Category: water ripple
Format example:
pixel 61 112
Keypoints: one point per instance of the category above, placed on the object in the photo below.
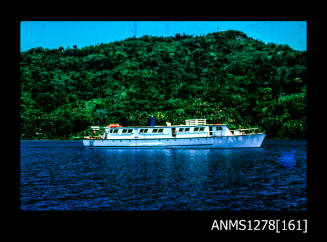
pixel 61 175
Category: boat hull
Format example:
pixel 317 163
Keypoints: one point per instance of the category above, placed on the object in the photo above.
pixel 236 141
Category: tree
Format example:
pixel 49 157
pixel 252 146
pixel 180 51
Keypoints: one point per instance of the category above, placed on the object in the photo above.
pixel 224 76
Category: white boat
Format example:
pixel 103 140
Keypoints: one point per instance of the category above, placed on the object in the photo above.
pixel 194 134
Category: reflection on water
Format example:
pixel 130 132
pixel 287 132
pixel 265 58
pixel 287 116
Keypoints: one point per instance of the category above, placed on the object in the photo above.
pixel 69 177
pixel 287 159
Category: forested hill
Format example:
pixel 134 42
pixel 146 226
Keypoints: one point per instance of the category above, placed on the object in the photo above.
pixel 225 77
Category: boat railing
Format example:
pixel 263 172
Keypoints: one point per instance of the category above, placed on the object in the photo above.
pixel 92 137
pixel 195 122
pixel 246 131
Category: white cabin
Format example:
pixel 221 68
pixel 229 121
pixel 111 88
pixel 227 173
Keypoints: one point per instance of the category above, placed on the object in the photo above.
pixel 159 132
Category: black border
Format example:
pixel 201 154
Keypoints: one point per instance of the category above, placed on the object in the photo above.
pixel 185 223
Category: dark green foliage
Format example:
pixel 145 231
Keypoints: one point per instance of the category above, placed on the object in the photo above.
pixel 225 77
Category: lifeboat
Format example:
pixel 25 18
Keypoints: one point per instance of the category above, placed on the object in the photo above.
pixel 113 125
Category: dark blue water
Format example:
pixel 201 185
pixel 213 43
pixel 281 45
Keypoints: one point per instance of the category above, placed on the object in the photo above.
pixel 62 175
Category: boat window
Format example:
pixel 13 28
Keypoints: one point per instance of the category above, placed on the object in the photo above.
pixel 187 129
pixel 116 131
pixel 124 131
pixel 219 128
pixel 154 130
pixel 181 129
pixel 160 130
pixel 202 128
pixel 196 129
pixel 145 130
pixel 130 131
pixel 111 130
pixel 141 130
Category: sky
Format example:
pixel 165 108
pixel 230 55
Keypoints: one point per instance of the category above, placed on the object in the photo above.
pixel 53 34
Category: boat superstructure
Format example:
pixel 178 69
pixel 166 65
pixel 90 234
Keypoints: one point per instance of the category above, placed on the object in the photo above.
pixel 195 133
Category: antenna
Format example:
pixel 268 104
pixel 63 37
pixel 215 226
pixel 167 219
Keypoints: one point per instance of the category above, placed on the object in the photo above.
pixel 168 28
pixel 135 29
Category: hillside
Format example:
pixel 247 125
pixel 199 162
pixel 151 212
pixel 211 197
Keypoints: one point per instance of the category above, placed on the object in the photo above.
pixel 225 77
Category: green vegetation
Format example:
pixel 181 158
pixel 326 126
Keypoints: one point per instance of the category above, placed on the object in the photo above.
pixel 225 77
